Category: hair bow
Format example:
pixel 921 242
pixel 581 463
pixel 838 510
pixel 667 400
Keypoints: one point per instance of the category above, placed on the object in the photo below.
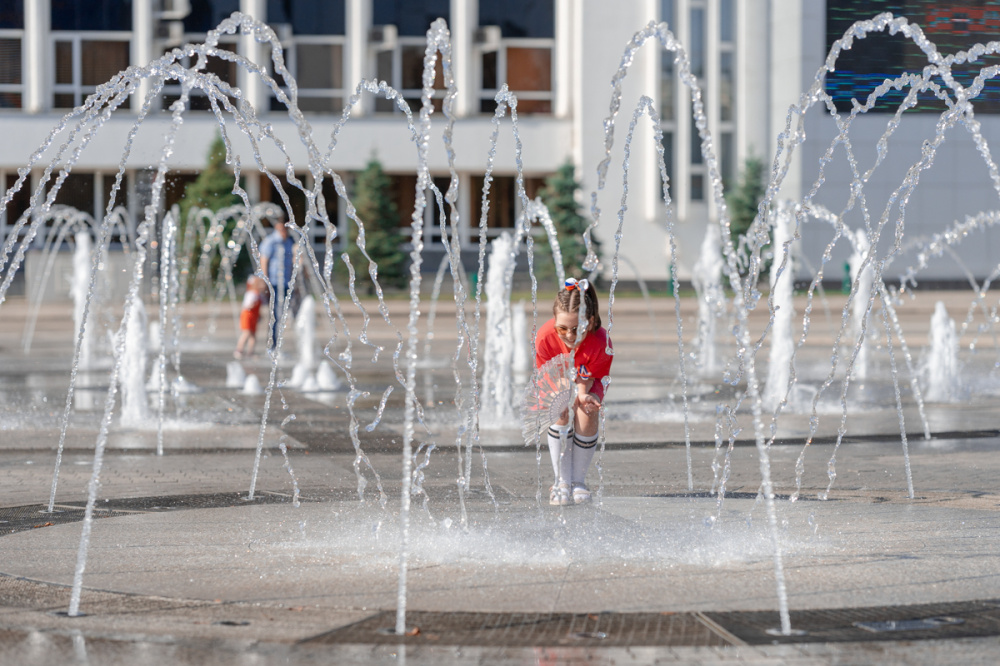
pixel 573 283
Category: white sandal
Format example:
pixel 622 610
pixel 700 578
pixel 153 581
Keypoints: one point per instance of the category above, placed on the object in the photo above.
pixel 559 495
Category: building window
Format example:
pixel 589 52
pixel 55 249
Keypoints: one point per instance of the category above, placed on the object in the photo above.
pixel 402 67
pixel 206 15
pixel 727 22
pixel 727 91
pixel 709 27
pixel 92 15
pixel 697 40
pixel 505 205
pixel 308 17
pixel 220 67
pixel 399 51
pixel 312 34
pixel 516 40
pixel 404 194
pixel 11 87
pixel 91 40
pixel 317 63
pixel 727 156
pixel 18 206
pixel 121 196
pixel 697 187
pixel 668 97
pixel 77 191
pixel 727 82
pixel 331 201
pixel 84 61
pixel 668 163
pixel 296 197
pixel 411 18
pixel 11 36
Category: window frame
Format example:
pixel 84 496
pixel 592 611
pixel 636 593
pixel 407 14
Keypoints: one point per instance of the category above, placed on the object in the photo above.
pixel 174 89
pixel 77 89
pixel 505 43
pixel 537 182
pixel 697 168
pixel 728 126
pixel 14 88
pixel 290 43
pixel 395 80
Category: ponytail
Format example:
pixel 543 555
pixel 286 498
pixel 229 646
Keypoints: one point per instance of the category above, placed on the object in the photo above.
pixel 568 299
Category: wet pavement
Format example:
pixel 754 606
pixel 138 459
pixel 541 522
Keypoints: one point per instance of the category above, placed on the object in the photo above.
pixel 184 566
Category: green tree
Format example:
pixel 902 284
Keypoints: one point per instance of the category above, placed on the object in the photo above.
pixel 380 216
pixel 560 197
pixel 213 189
pixel 744 199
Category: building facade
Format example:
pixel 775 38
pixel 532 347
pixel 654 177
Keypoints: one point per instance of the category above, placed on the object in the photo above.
pixel 750 60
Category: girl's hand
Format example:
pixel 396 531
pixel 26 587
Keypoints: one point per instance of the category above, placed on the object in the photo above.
pixel 588 403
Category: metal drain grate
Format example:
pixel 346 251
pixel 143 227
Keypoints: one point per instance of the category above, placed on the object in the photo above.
pixel 908 625
pixel 965 619
pixel 883 623
pixel 23 518
pixel 20 518
pixel 530 629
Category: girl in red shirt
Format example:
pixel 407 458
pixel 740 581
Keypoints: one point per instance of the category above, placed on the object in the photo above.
pixel 592 362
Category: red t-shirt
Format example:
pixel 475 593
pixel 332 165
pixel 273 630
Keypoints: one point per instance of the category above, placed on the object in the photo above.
pixel 591 359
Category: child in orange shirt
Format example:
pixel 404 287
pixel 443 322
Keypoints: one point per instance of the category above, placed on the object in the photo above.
pixel 592 362
pixel 249 316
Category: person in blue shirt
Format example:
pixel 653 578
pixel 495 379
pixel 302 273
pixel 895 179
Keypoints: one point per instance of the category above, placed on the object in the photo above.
pixel 277 261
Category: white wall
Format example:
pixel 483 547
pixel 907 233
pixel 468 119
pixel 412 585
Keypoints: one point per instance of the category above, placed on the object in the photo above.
pixel 957 184
pixel 543 139
pixel 607 27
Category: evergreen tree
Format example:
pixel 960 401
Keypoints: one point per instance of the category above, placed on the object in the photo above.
pixel 380 216
pixel 560 196
pixel 213 189
pixel 743 200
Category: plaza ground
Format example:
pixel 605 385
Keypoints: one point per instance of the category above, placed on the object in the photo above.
pixel 184 567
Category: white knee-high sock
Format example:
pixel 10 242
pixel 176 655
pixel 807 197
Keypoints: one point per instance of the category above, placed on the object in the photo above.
pixel 562 462
pixel 583 452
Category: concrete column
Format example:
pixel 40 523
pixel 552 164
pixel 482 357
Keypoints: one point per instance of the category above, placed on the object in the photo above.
pixel 681 187
pixel 787 67
pixel 575 89
pixel 710 95
pixel 752 81
pixel 651 195
pixel 251 183
pixel 143 46
pixel 464 21
pixel 37 65
pixel 356 56
pixel 254 89
pixel 562 83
